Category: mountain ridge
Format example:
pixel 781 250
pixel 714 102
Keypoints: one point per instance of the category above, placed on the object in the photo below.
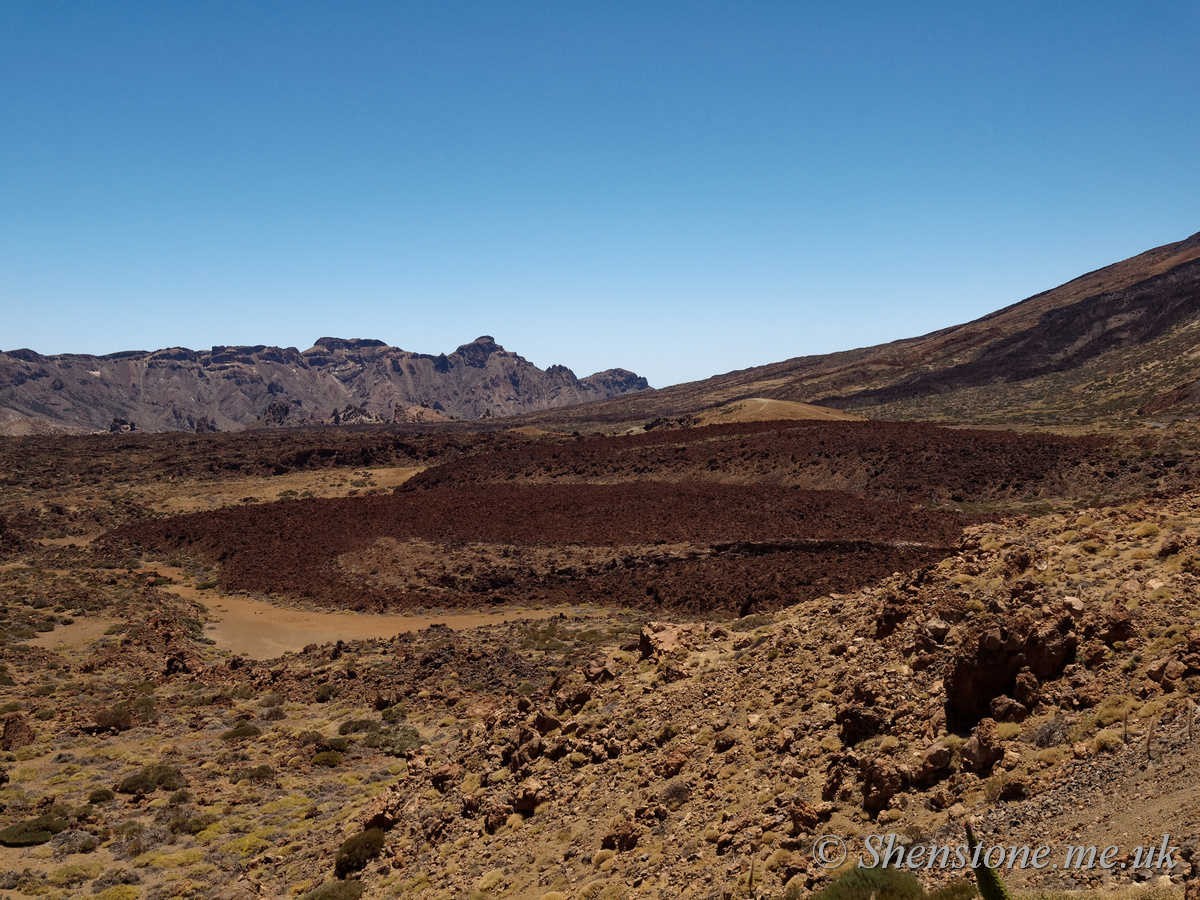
pixel 233 387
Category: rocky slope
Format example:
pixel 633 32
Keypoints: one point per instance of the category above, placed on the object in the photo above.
pixel 1115 343
pixel 240 387
pixel 1038 680
pixel 1034 674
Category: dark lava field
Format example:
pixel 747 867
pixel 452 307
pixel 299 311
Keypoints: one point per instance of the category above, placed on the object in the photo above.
pixel 714 521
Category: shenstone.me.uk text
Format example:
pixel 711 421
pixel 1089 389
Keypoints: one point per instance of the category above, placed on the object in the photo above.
pixel 831 851
pixel 884 851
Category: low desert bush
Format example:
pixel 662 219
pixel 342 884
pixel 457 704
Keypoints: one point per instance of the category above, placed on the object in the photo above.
pixel 1050 733
pixel 395 741
pixel 252 773
pixel 32 831
pixel 749 623
pixel 1006 731
pixel 117 717
pixel 150 779
pixel 358 726
pixel 241 731
pixel 325 693
pixel 335 890
pixel 883 884
pixel 394 714
pixel 190 823
pixel 357 851
pixel 993 787
pixel 675 794
pixel 327 758
pixel 890 884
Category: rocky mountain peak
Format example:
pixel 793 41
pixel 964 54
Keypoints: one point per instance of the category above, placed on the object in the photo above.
pixel 232 387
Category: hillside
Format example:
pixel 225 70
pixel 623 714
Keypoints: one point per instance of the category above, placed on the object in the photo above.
pixel 239 387
pixel 1112 344
pixel 189 711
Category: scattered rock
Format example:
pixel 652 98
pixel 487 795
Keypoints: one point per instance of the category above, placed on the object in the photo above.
pixel 983 749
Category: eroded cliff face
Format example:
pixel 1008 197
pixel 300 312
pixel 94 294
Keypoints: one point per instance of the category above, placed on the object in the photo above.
pixel 241 387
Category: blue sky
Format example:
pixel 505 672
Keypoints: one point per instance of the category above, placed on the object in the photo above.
pixel 680 189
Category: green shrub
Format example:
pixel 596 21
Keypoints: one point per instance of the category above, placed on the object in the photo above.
pixel 254 773
pixel 394 714
pixel 749 623
pixel 357 851
pixel 186 824
pixel 325 693
pixel 145 708
pixel 883 883
pixel 117 717
pixel 328 759
pixel 241 731
pixel 335 890
pixel 100 795
pixel 32 831
pixel 358 726
pixel 961 889
pixel 150 779
pixel 394 741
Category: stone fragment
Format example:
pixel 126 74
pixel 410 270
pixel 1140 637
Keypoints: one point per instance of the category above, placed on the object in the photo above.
pixel 982 750
pixel 937 629
pixel 883 779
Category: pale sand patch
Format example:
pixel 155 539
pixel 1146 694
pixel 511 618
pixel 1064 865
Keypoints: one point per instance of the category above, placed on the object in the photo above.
pixel 262 630
pixel 79 634
pixel 78 540
pixel 195 495
pixel 760 409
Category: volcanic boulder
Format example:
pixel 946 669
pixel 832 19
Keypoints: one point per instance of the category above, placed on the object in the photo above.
pixel 987 663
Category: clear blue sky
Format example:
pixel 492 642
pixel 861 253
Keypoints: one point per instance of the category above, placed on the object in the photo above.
pixel 680 189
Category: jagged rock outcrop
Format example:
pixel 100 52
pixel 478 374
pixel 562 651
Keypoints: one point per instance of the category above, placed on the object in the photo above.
pixel 987 663
pixel 336 381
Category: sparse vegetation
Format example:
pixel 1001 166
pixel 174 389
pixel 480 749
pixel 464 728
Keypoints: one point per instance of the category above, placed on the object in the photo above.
pixel 574 754
pixel 357 851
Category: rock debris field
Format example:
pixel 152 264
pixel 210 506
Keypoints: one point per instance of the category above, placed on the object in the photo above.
pixel 748 636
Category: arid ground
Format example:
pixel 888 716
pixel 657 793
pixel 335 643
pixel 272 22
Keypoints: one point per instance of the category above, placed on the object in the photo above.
pixel 488 663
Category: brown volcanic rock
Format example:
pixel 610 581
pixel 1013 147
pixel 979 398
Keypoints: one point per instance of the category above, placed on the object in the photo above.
pixel 987 663
pixel 230 388
pixel 15 731
pixel 883 779
pixel 744 537
pixel 734 516
pixel 891 460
